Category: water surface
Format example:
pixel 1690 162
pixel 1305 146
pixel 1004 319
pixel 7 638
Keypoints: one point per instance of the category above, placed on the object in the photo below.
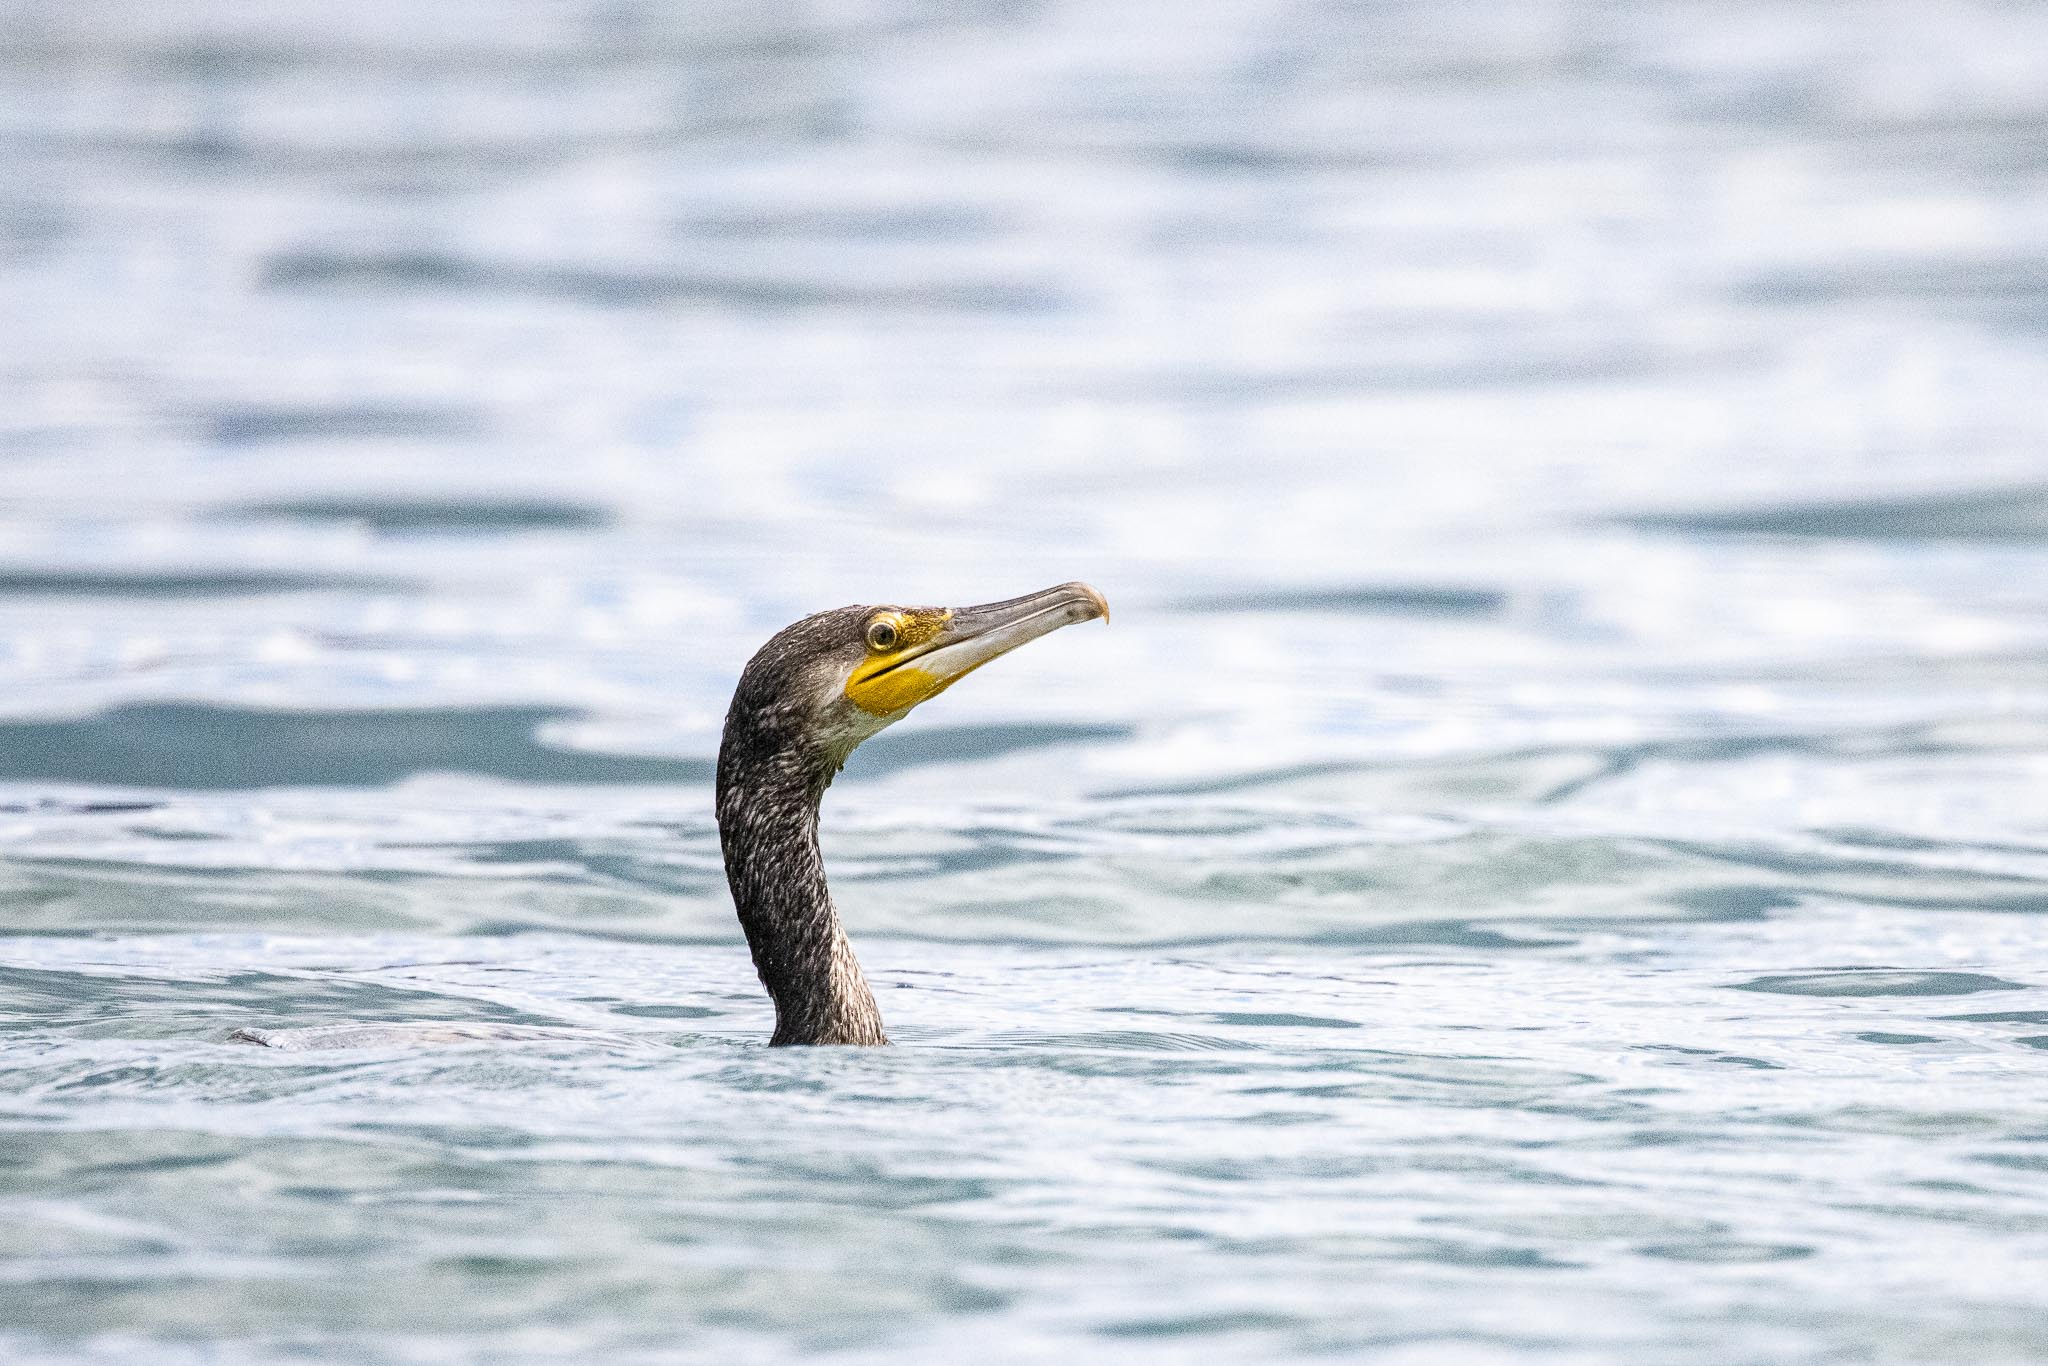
pixel 1549 862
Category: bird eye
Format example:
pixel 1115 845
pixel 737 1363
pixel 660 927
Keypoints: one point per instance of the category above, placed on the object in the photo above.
pixel 881 635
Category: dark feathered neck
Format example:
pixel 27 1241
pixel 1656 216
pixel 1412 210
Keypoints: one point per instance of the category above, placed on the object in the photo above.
pixel 770 781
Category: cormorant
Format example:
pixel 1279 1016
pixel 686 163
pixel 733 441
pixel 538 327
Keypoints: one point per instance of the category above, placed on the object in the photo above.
pixel 805 701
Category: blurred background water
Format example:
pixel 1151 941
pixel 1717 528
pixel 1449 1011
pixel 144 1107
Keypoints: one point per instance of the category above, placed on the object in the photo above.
pixel 1549 862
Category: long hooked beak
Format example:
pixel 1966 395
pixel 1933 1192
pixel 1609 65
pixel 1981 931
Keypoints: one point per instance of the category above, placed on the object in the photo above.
pixel 969 638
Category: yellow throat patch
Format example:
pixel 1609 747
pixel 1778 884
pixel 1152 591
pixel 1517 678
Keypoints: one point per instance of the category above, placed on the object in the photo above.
pixel 889 679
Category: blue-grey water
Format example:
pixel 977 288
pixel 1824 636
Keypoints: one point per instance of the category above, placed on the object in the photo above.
pixel 1549 862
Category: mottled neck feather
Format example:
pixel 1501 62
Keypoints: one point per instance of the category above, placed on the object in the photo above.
pixel 768 794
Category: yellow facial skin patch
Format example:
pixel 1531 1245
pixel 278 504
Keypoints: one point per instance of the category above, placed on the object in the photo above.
pixel 889 680
pixel 916 653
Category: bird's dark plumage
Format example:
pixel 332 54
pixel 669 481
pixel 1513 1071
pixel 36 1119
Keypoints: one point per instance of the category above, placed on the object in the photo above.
pixel 804 702
pixel 774 764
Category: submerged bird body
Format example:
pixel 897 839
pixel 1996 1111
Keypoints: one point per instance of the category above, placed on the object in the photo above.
pixel 805 701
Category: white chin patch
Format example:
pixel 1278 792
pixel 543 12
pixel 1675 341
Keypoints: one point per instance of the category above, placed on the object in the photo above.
pixel 842 725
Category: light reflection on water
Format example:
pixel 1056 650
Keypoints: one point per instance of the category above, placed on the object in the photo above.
pixel 1548 861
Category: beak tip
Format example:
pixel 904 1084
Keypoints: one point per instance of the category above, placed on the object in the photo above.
pixel 1087 591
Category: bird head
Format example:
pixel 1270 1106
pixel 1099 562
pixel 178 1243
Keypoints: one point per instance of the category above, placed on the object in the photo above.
pixel 832 680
